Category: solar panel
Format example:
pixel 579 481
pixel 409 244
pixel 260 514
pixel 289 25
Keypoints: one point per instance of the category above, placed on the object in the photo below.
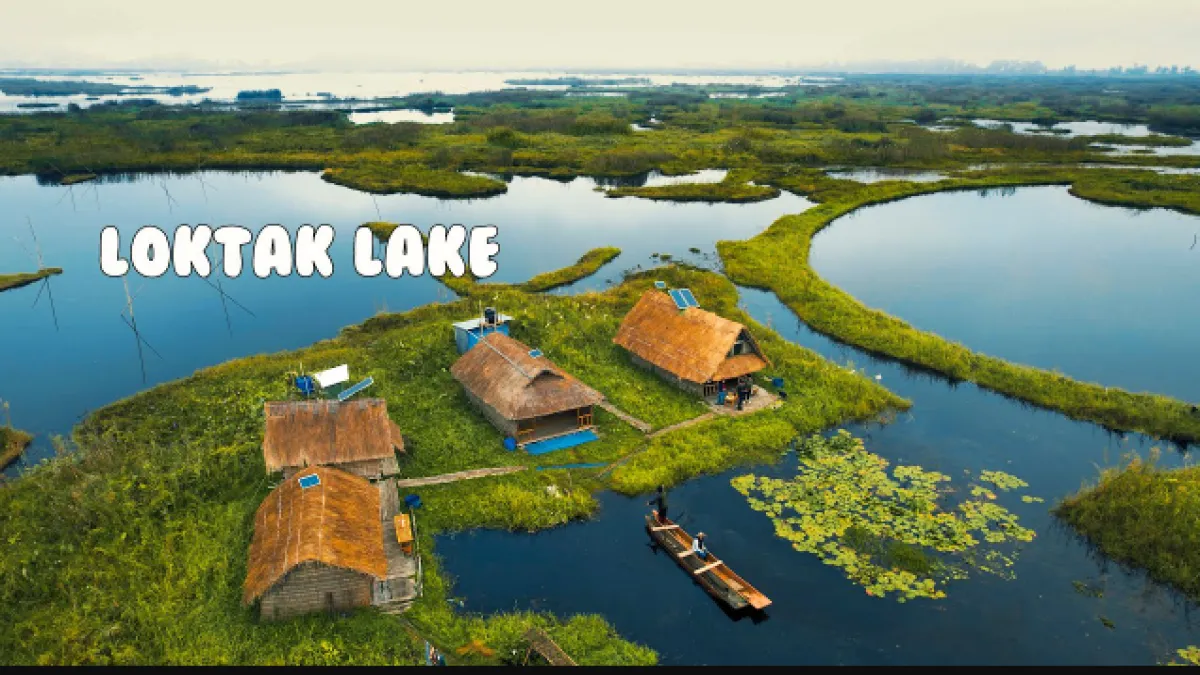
pixel 535 353
pixel 687 296
pixel 678 298
pixel 660 285
pixel 356 388
pixel 311 480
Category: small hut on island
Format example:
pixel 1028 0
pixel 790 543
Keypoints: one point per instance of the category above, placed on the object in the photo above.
pixel 522 393
pixel 667 332
pixel 317 546
pixel 357 436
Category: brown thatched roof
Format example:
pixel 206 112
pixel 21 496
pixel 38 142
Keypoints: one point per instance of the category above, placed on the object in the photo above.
pixel 692 343
pixel 501 373
pixel 316 433
pixel 336 523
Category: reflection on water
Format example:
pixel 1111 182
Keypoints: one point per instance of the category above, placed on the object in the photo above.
pixel 1070 129
pixel 52 378
pixel 875 175
pixel 394 116
pixel 656 178
pixel 1105 294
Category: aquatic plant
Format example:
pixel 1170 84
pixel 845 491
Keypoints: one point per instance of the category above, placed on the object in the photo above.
pixel 887 532
pixel 8 281
pixel 1144 516
pixel 735 188
pixel 12 443
pixel 1190 656
pixel 381 179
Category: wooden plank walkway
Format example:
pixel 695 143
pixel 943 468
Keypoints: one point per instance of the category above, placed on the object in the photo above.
pixel 686 423
pixel 626 417
pixel 395 592
pixel 457 476
pixel 542 644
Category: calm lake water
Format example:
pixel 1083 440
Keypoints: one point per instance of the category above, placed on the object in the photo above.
pixel 606 565
pixel 877 174
pixel 394 116
pixel 315 86
pixel 1035 276
pixel 543 225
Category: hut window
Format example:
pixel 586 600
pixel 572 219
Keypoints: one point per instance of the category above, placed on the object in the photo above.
pixel 739 347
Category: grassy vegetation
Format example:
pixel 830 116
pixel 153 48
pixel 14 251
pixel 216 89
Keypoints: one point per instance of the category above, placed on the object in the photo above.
pixel 384 180
pixel 1146 517
pixel 586 266
pixel 8 281
pixel 863 122
pixel 736 187
pixel 777 260
pixel 153 514
pixel 1153 140
pixel 12 443
pixel 76 178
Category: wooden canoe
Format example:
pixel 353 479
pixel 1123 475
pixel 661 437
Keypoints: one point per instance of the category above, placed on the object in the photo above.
pixel 711 573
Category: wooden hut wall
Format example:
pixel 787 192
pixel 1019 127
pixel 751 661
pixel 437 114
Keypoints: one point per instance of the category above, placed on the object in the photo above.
pixel 315 587
pixel 505 425
pixel 696 388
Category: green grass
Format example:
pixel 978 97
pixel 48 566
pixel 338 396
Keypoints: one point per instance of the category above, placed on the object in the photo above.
pixel 586 266
pixel 1146 517
pixel 1153 140
pixel 777 260
pixel 9 281
pixel 382 179
pixel 153 514
pixel 12 443
pixel 76 178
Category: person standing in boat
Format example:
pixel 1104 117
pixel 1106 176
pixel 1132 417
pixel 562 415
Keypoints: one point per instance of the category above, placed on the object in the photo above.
pixel 660 504
pixel 698 547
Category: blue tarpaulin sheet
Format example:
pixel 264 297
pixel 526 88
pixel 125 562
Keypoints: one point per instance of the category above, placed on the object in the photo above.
pixel 561 442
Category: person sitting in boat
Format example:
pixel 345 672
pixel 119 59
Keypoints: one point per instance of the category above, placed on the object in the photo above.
pixel 660 504
pixel 698 547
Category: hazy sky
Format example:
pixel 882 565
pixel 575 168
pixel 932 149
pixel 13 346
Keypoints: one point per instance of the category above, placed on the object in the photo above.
pixel 493 34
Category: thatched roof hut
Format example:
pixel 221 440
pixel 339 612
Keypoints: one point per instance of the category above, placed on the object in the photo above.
pixel 355 435
pixel 692 346
pixel 317 546
pixel 520 389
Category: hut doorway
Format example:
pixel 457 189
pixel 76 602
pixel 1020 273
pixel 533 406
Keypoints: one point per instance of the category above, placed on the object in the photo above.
pixel 565 422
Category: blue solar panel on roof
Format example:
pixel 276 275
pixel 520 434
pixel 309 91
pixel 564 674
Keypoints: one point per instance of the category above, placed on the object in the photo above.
pixel 311 480
pixel 678 298
pixel 356 388
pixel 660 285
pixel 687 296
pixel 535 353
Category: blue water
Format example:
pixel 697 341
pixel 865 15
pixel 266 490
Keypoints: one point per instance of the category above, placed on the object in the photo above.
pixel 1035 276
pixel 52 377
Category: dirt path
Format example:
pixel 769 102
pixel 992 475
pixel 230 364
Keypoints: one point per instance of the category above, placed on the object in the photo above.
pixel 626 417
pixel 686 423
pixel 457 476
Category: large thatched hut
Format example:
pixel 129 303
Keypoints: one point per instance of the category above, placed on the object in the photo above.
pixel 522 392
pixel 317 546
pixel 356 435
pixel 688 346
